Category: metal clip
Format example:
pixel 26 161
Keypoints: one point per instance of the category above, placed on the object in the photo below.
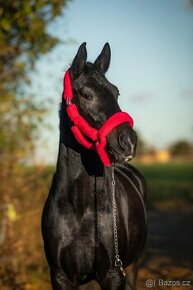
pixel 118 263
pixel 68 101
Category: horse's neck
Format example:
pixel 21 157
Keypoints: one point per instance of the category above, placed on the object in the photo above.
pixel 76 169
pixel 72 156
pixel 75 183
pixel 72 162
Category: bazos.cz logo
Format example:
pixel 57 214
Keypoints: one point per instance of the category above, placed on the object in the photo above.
pixel 150 283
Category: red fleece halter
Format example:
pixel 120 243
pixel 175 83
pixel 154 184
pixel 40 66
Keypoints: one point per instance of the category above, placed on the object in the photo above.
pixel 87 136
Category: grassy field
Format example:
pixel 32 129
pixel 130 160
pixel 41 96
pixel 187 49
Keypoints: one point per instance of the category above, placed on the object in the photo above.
pixel 169 185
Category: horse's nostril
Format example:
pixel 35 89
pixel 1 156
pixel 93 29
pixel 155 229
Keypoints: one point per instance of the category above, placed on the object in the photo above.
pixel 123 140
pixel 127 142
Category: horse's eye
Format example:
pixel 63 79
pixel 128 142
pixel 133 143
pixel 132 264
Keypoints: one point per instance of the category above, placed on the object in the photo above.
pixel 86 93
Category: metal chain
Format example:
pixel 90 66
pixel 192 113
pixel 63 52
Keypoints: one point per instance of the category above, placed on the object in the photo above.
pixel 118 262
pixel 96 240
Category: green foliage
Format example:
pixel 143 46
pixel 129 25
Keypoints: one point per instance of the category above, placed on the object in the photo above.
pixel 23 38
pixel 182 148
pixel 23 26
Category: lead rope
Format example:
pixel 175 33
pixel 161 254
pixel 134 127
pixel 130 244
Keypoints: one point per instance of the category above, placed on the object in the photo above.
pixel 118 262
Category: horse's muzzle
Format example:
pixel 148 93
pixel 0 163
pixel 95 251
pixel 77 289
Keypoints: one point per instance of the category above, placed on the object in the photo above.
pixel 129 157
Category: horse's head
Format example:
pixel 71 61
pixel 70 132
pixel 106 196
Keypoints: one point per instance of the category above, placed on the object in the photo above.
pixel 96 100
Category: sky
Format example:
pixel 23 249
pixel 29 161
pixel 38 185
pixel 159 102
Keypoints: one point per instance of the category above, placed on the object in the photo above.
pixel 151 63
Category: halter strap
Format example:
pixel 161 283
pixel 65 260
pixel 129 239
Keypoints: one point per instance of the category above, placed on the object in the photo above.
pixel 87 136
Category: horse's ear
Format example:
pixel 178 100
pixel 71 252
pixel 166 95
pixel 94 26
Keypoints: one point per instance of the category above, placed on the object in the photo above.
pixel 103 60
pixel 79 61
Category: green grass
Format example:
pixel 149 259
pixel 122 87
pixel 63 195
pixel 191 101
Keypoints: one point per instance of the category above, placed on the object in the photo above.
pixel 169 185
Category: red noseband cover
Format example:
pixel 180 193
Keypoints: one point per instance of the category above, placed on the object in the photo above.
pixel 86 135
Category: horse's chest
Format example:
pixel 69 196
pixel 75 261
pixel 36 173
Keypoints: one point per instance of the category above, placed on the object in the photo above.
pixel 84 219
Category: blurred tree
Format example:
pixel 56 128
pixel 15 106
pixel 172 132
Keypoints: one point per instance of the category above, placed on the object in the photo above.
pixel 191 3
pixel 142 147
pixel 181 148
pixel 24 37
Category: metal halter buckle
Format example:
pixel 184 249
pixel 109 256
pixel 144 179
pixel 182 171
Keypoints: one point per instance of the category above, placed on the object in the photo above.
pixel 68 101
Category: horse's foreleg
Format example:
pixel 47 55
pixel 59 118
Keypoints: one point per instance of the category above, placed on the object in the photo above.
pixel 60 281
pixel 113 281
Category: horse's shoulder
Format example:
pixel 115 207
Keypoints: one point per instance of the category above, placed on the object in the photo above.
pixel 134 176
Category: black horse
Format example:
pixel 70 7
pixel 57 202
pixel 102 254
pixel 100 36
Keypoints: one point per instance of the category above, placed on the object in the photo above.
pixel 77 220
